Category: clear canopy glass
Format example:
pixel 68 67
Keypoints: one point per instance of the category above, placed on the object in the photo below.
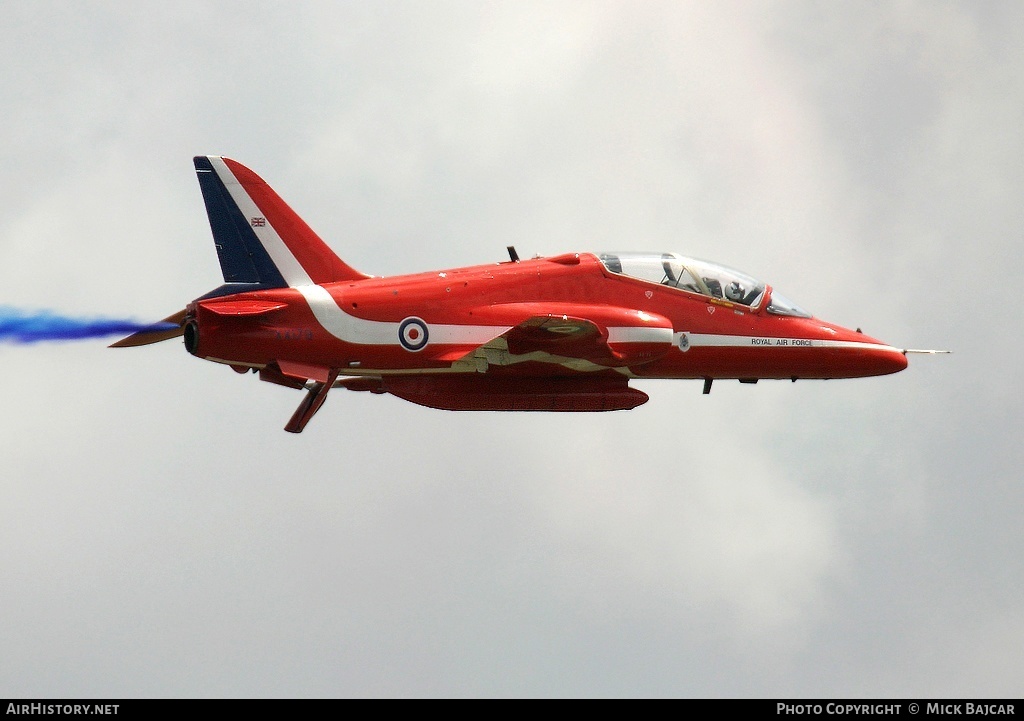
pixel 781 305
pixel 696 276
pixel 700 276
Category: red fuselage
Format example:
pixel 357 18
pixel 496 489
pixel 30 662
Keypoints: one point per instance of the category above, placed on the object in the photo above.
pixel 358 330
pixel 566 333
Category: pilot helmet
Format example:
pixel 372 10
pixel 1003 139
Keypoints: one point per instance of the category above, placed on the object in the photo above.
pixel 734 291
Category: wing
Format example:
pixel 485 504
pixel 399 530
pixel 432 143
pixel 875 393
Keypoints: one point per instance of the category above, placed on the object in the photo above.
pixel 170 327
pixel 584 338
pixel 592 339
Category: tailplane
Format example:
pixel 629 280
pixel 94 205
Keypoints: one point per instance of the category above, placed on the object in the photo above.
pixel 261 242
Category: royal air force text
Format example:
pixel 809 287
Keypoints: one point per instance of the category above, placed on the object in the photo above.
pixel 789 342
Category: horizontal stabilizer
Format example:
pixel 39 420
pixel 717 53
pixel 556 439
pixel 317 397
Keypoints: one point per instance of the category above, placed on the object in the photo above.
pixel 243 307
pixel 170 327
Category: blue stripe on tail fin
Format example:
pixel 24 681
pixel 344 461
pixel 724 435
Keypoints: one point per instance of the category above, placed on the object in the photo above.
pixel 244 262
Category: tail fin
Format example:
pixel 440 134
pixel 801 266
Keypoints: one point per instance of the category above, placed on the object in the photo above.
pixel 261 242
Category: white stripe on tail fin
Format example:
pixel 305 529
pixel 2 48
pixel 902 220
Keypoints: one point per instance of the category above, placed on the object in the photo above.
pixel 261 241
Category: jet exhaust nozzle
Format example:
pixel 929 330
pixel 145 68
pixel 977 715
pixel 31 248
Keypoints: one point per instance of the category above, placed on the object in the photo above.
pixel 191 337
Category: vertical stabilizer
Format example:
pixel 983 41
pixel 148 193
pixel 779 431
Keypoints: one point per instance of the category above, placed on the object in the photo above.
pixel 261 242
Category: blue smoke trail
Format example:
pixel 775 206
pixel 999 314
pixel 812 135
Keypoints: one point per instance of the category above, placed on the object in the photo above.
pixel 19 326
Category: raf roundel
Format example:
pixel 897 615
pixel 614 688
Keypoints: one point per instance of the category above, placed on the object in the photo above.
pixel 412 334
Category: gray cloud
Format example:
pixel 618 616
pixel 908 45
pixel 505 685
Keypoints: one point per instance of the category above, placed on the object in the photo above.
pixel 161 536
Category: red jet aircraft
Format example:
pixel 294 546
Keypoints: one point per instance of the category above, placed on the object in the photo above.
pixel 565 333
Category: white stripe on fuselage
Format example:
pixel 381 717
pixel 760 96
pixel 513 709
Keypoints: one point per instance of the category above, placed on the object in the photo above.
pixel 351 329
pixel 374 332
pixel 639 334
pixel 708 340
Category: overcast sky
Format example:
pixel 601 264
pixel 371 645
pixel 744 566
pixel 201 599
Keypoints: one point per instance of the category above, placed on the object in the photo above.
pixel 160 535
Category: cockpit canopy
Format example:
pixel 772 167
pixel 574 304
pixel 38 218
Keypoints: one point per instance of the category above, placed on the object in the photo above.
pixel 698 276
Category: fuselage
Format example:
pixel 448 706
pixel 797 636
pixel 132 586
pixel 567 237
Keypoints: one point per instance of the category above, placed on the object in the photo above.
pixel 565 333
pixel 449 321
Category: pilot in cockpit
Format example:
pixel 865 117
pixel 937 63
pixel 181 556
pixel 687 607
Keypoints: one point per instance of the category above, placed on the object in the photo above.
pixel 734 292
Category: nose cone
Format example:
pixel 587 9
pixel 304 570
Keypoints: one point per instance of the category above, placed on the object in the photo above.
pixel 883 360
pixel 858 355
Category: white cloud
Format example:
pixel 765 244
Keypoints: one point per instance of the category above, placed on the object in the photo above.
pixel 162 536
